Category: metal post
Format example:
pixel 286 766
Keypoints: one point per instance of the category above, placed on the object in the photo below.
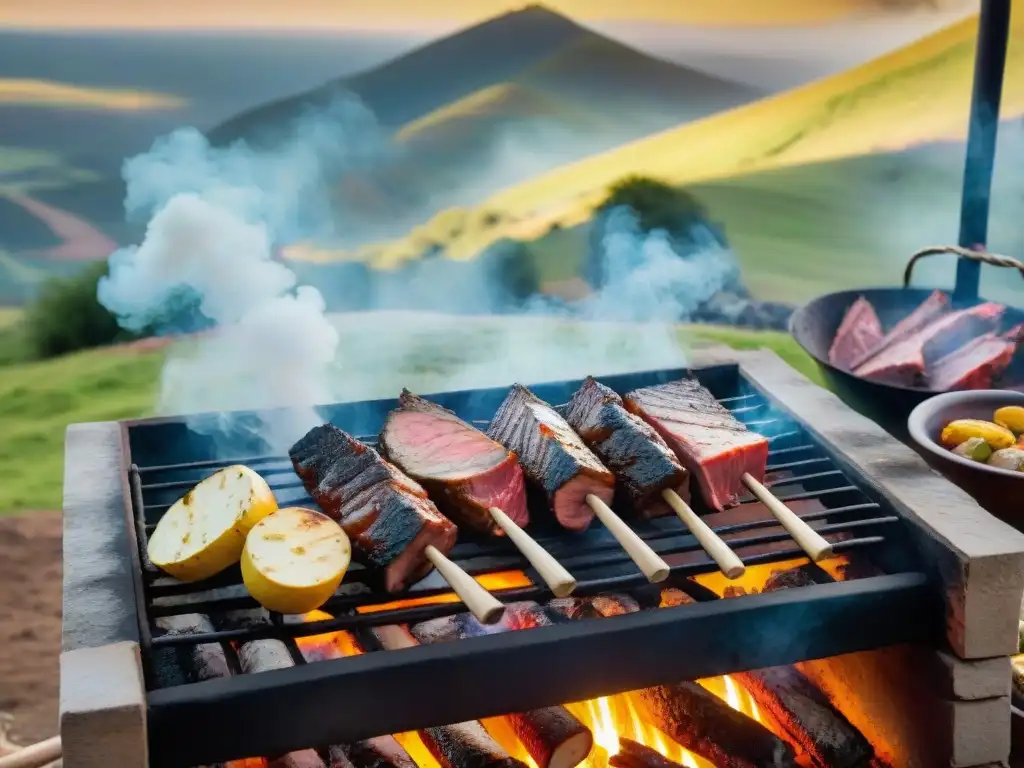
pixel 989 63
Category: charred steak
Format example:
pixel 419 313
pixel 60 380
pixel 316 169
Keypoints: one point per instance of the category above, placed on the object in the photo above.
pixel 464 470
pixel 554 458
pixel 387 515
pixel 710 442
pixel 859 333
pixel 636 454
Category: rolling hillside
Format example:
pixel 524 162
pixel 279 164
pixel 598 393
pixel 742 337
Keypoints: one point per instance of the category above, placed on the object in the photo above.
pixel 915 95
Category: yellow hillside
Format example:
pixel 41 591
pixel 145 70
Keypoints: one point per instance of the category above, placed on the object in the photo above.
pixel 502 101
pixel 917 94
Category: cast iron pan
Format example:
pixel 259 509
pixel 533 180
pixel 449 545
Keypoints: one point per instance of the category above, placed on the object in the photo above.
pixel 815 324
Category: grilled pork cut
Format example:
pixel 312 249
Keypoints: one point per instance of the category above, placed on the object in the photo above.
pixel 554 458
pixel 387 515
pixel 904 362
pixel 463 470
pixel 859 333
pixel 709 441
pixel 932 308
pixel 636 454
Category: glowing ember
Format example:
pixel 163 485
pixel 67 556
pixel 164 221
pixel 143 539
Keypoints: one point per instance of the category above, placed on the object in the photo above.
pixel 490 581
pixel 610 718
pixel 756 576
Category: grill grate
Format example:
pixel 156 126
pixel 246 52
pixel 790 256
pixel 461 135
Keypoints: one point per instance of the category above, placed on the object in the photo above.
pixel 800 472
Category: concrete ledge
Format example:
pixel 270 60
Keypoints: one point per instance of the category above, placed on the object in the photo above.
pixel 972 680
pixel 979 559
pixel 99 589
pixel 979 731
pixel 103 707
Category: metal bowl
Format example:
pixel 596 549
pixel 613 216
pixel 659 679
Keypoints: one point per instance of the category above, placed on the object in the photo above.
pixel 1000 491
pixel 814 326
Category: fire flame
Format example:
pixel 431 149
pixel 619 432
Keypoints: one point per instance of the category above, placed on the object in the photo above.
pixel 610 718
pixel 757 575
pixel 492 582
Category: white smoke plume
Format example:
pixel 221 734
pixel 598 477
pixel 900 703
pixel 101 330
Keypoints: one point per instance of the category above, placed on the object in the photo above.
pixel 215 215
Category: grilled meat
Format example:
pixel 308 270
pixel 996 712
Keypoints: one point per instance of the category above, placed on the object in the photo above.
pixel 975 365
pixel 710 442
pixel 936 305
pixel 858 334
pixel 387 515
pixel 903 363
pixel 636 454
pixel 464 470
pixel 554 457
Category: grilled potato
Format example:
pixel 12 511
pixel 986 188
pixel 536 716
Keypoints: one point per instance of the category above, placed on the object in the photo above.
pixel 294 560
pixel 204 531
pixel 962 430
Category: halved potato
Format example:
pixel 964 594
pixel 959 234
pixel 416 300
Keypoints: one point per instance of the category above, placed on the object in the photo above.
pixel 294 560
pixel 204 531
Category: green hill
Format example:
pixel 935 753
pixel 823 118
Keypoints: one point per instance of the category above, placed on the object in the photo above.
pixel 915 95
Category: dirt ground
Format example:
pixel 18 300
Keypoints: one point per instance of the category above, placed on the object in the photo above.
pixel 30 623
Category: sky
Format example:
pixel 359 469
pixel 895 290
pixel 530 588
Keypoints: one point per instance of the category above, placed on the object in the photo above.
pixel 406 15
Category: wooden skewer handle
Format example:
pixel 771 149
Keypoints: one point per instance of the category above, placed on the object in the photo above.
pixel 559 580
pixel 34 756
pixel 646 559
pixel 717 549
pixel 810 541
pixel 481 603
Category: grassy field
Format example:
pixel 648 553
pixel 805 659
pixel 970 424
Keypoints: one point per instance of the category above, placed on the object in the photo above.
pixel 39 400
pixel 915 95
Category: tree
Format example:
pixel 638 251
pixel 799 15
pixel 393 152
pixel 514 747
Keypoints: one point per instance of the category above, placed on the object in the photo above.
pixel 66 315
pixel 656 204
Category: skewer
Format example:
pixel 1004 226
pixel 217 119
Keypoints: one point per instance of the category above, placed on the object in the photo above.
pixel 717 550
pixel 559 581
pixel 810 541
pixel 646 559
pixel 482 604
pixel 34 756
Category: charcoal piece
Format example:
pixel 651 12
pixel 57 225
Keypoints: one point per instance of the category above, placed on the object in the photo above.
pixel 703 723
pixel 634 755
pixel 808 717
pixel 466 745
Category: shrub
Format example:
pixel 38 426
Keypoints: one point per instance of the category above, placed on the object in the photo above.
pixel 657 205
pixel 66 316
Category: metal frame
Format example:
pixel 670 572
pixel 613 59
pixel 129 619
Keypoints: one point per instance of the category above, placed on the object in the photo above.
pixel 989 68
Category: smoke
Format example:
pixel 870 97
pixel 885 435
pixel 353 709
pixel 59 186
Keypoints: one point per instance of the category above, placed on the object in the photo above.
pixel 214 215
